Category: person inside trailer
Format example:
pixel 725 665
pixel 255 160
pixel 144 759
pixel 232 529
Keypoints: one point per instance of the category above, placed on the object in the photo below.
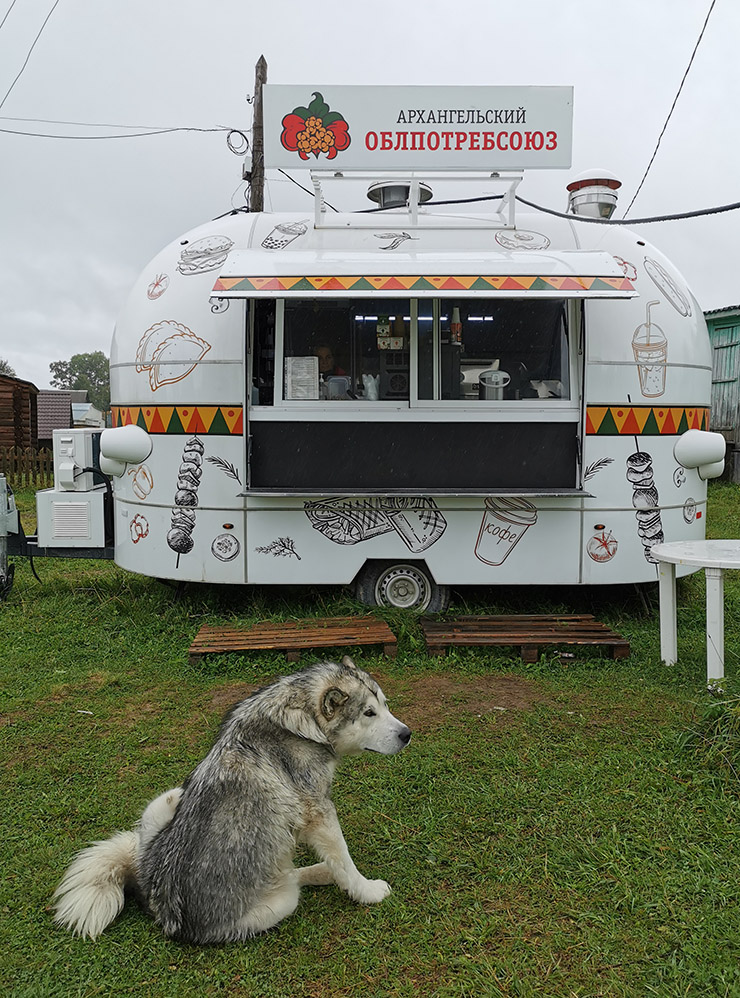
pixel 333 381
pixel 362 348
pixel 328 366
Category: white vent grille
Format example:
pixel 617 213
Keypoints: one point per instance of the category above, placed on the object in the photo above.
pixel 70 519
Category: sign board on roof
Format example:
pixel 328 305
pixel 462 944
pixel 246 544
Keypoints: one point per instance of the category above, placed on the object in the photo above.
pixel 417 128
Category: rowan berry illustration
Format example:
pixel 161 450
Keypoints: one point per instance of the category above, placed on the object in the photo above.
pixel 315 130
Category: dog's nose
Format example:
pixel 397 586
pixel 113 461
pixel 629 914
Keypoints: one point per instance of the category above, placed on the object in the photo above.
pixel 405 735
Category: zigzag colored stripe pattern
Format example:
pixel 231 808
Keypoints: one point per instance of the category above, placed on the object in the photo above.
pixel 227 420
pixel 406 284
pixel 216 420
pixel 644 420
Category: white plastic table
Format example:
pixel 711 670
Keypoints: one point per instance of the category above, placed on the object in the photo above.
pixel 714 557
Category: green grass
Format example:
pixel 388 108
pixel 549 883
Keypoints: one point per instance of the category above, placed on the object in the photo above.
pixel 579 842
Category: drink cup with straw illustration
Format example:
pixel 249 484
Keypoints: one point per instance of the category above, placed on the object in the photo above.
pixel 650 347
pixel 284 234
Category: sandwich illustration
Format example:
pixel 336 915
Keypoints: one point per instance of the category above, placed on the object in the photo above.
pixel 204 255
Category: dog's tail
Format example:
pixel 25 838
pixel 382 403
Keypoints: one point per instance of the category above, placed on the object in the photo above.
pixel 92 891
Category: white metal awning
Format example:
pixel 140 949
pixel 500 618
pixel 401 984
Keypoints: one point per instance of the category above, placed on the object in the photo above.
pixel 569 274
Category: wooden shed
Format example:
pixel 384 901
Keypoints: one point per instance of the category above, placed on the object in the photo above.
pixel 18 413
pixel 724 335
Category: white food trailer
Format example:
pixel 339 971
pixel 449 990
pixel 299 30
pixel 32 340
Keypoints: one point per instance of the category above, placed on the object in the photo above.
pixel 405 399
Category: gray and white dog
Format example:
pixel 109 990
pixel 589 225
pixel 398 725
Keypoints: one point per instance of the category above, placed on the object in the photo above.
pixel 212 861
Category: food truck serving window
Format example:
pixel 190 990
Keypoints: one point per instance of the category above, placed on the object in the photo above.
pixel 403 395
pixel 462 350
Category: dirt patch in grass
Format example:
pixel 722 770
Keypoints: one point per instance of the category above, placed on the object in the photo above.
pixel 427 702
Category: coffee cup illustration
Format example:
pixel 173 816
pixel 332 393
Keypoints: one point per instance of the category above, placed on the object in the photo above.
pixel 650 347
pixel 505 519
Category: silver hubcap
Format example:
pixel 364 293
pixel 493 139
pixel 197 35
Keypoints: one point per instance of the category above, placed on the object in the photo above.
pixel 403 587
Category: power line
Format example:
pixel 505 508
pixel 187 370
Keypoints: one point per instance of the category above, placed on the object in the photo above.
pixel 294 181
pixel 558 214
pixel 630 221
pixel 153 130
pixel 33 46
pixel 126 135
pixel 673 105
pixel 7 12
pixel 108 124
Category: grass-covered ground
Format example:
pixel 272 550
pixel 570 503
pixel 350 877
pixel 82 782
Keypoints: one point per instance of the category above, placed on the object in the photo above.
pixel 551 829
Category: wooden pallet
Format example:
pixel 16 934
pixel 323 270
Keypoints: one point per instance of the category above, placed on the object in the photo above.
pixel 528 632
pixel 295 636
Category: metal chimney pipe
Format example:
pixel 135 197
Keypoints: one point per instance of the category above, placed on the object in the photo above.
pixel 593 193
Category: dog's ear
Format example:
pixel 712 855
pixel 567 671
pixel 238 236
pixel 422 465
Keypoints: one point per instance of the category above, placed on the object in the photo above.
pixel 348 663
pixel 333 700
pixel 296 719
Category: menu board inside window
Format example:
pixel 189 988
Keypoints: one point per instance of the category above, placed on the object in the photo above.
pixel 301 378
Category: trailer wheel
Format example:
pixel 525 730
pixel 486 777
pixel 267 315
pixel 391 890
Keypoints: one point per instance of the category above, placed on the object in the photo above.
pixel 403 586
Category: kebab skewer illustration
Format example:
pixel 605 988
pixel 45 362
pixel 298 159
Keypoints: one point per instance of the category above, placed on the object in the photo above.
pixel 182 524
pixel 645 500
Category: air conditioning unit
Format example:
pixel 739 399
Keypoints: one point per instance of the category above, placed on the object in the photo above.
pixel 74 450
pixel 70 519
pixel 72 514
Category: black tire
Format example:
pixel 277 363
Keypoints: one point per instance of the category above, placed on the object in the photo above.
pixel 402 586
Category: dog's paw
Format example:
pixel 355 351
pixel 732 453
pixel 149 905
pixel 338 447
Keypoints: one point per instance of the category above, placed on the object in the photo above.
pixel 371 891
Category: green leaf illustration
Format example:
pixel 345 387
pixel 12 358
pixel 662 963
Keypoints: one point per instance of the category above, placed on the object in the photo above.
pixel 318 105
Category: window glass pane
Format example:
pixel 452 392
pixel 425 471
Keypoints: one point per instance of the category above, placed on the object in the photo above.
pixel 426 353
pixel 263 356
pixel 496 351
pixel 340 350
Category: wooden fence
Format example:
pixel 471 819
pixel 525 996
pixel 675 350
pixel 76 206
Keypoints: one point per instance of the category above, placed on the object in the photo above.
pixel 24 466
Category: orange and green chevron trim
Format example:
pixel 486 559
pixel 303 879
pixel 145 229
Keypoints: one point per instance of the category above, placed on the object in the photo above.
pixel 227 420
pixel 223 420
pixel 406 284
pixel 644 420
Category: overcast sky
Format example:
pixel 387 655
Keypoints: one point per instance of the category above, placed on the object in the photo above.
pixel 80 219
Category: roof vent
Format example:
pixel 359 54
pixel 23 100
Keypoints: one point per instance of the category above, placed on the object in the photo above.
pixel 593 193
pixel 395 193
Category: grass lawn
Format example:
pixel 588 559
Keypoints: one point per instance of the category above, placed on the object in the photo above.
pixel 550 830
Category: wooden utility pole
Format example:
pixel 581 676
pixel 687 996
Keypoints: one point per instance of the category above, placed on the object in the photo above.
pixel 257 185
